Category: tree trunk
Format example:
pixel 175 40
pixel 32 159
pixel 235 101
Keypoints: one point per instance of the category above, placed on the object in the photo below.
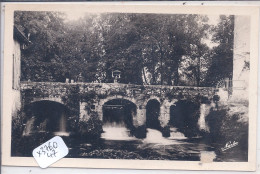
pixel 161 68
pixel 198 72
pixel 144 76
pixel 176 76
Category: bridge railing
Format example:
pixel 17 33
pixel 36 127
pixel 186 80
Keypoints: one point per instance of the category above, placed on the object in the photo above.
pixel 116 88
pixel 26 84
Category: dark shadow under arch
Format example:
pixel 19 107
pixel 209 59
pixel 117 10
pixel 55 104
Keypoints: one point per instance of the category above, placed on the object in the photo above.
pixel 46 116
pixel 152 114
pixel 119 112
pixel 184 115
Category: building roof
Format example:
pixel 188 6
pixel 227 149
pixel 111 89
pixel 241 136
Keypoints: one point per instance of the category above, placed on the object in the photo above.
pixel 20 36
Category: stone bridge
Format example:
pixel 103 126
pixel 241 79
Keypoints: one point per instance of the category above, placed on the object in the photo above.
pixel 86 99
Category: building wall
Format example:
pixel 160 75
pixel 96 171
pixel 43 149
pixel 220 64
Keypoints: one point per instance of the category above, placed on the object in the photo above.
pixel 16 74
pixel 16 65
pixel 241 58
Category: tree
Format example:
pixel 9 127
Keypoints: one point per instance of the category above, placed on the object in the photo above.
pixel 41 60
pixel 146 48
pixel 222 55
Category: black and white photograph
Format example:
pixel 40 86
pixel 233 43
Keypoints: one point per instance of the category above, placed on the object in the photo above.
pixel 131 85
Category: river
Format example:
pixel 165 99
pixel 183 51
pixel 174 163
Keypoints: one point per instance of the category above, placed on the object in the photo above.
pixel 116 143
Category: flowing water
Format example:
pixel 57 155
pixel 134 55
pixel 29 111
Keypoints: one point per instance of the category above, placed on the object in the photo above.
pixel 201 121
pixel 62 127
pixel 154 136
pixel 29 127
pixel 116 133
pixel 117 142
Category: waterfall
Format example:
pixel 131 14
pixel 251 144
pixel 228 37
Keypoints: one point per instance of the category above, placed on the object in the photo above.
pixel 62 127
pixel 176 134
pixel 116 131
pixel 203 113
pixel 62 123
pixel 155 137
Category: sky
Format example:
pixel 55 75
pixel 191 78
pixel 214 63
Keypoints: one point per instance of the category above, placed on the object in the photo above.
pixel 74 15
pixel 213 20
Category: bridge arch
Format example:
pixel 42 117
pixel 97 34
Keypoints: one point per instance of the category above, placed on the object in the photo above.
pixel 152 98
pixel 184 115
pixel 165 111
pixel 118 114
pixel 103 101
pixel 153 109
pixel 46 116
pixel 53 99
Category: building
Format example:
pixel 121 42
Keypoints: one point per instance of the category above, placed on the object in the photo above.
pixel 20 41
pixel 241 58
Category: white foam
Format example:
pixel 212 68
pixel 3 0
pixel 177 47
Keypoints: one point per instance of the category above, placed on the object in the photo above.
pixel 155 137
pixel 116 133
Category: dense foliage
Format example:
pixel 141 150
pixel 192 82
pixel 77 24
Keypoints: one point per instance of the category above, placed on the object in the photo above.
pixel 229 124
pixel 147 48
pixel 90 129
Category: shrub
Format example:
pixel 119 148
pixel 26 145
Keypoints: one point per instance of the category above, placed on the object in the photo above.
pixel 24 145
pixel 111 154
pixel 28 143
pixel 228 126
pixel 224 127
pixel 140 132
pixel 90 129
pixel 166 131
pixel 17 131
